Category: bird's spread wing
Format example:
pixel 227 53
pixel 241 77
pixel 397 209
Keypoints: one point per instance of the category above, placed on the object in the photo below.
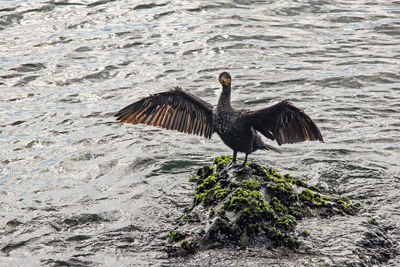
pixel 285 123
pixel 174 109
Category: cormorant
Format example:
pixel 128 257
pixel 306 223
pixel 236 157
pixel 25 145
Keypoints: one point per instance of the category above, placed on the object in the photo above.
pixel 178 110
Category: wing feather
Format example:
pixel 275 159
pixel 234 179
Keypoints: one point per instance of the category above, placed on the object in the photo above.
pixel 168 123
pixel 157 114
pixel 196 126
pixel 163 110
pixel 173 110
pixel 182 121
pixel 285 123
pixel 172 120
pixel 189 125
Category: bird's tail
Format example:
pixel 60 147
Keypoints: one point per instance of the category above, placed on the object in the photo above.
pixel 259 144
pixel 268 147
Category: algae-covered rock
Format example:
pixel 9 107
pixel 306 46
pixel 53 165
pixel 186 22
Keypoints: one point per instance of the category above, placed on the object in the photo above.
pixel 256 206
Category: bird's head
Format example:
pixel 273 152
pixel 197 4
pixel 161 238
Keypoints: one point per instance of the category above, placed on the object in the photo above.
pixel 224 78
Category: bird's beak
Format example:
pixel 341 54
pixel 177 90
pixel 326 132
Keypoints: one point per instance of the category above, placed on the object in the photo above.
pixel 224 81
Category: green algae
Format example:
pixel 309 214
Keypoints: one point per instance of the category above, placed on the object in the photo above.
pixel 193 179
pixel 305 233
pixel 251 184
pixel 307 195
pixel 373 222
pixel 257 202
pixel 282 238
pixel 174 236
pixel 277 206
pixel 242 198
pixel 221 161
pixel 250 205
pixel 186 218
pixel 185 244
pixel 211 189
pixel 211 212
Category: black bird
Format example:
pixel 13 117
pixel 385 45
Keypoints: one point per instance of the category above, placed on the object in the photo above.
pixel 178 110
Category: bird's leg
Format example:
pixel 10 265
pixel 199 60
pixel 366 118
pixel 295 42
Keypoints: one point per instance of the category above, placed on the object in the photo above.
pixel 232 163
pixel 234 157
pixel 242 167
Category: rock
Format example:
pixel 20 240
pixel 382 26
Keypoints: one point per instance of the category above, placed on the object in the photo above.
pixel 257 206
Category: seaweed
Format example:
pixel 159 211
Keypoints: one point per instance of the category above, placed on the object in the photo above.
pixel 256 205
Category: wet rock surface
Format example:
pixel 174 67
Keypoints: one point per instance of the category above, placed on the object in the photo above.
pixel 258 206
pixel 376 246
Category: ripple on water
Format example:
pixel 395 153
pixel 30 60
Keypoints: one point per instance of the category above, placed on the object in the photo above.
pixel 77 188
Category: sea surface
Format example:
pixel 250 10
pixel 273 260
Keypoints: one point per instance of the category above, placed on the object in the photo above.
pixel 78 188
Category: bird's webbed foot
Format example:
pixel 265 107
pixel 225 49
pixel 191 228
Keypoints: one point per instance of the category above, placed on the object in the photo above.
pixel 228 166
pixel 241 168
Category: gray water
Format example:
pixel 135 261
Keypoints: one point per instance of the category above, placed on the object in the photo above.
pixel 78 188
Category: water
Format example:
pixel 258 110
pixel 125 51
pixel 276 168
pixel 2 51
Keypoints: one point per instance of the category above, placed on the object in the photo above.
pixel 79 188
